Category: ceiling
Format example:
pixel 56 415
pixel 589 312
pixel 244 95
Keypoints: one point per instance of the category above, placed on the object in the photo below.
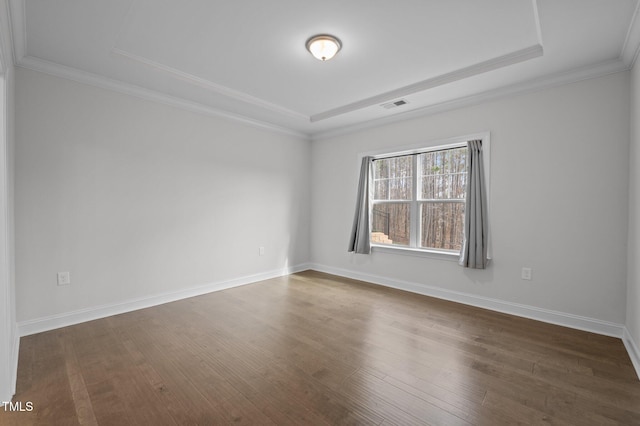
pixel 246 59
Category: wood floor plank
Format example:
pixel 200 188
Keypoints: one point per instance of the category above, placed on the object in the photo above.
pixel 410 402
pixel 313 348
pixel 81 400
pixel 245 370
pixel 219 402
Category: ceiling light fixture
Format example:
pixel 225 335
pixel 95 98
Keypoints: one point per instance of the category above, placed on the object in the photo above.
pixel 323 46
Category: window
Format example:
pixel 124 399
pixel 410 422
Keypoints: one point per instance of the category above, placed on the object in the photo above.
pixel 419 199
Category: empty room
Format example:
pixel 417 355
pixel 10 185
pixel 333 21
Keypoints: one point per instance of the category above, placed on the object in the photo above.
pixel 291 213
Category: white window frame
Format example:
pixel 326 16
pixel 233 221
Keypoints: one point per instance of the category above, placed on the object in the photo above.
pixel 419 148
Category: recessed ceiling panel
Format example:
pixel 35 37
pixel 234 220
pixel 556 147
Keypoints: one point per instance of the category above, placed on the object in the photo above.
pixel 257 48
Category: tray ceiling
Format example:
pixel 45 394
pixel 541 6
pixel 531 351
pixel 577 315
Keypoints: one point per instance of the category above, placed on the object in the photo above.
pixel 247 59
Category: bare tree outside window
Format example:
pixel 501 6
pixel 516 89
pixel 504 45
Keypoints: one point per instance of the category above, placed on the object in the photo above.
pixel 428 188
pixel 443 187
pixel 392 181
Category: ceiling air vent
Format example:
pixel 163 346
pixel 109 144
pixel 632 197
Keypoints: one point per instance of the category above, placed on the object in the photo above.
pixel 394 104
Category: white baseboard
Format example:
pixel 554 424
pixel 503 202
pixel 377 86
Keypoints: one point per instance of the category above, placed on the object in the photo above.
pixel 9 389
pixel 15 351
pixel 52 322
pixel 632 349
pixel 526 311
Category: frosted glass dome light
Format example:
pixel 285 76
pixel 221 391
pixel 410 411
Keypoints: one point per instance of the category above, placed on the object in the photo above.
pixel 323 47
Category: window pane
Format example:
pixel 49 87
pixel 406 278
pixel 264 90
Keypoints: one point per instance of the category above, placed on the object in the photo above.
pixel 390 224
pixel 442 225
pixel 392 178
pixel 444 174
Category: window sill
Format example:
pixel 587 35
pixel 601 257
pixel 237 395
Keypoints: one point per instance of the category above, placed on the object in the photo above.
pixel 408 251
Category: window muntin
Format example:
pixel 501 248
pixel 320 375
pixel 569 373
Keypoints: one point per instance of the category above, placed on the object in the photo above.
pixel 442 225
pixel 393 178
pixel 443 174
pixel 391 224
pixel 418 199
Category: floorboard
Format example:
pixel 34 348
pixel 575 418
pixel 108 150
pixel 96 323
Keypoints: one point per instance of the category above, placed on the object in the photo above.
pixel 317 349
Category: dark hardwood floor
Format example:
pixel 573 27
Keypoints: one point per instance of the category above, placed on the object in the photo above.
pixel 317 349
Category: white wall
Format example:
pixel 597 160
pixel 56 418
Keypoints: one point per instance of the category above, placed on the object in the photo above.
pixel 633 259
pixel 136 198
pixel 10 127
pixel 9 339
pixel 8 331
pixel 5 288
pixel 559 190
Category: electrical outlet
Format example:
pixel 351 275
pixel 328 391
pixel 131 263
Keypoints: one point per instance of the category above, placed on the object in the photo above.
pixel 526 274
pixel 261 251
pixel 64 278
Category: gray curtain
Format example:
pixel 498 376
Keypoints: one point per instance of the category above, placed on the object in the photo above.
pixel 476 231
pixel 359 241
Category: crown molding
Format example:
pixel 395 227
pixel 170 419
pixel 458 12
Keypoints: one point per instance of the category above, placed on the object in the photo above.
pixel 6 38
pixel 5 56
pixel 17 17
pixel 516 89
pixel 631 46
pixel 536 20
pixel 460 74
pixel 211 86
pixel 102 82
pixel 585 73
